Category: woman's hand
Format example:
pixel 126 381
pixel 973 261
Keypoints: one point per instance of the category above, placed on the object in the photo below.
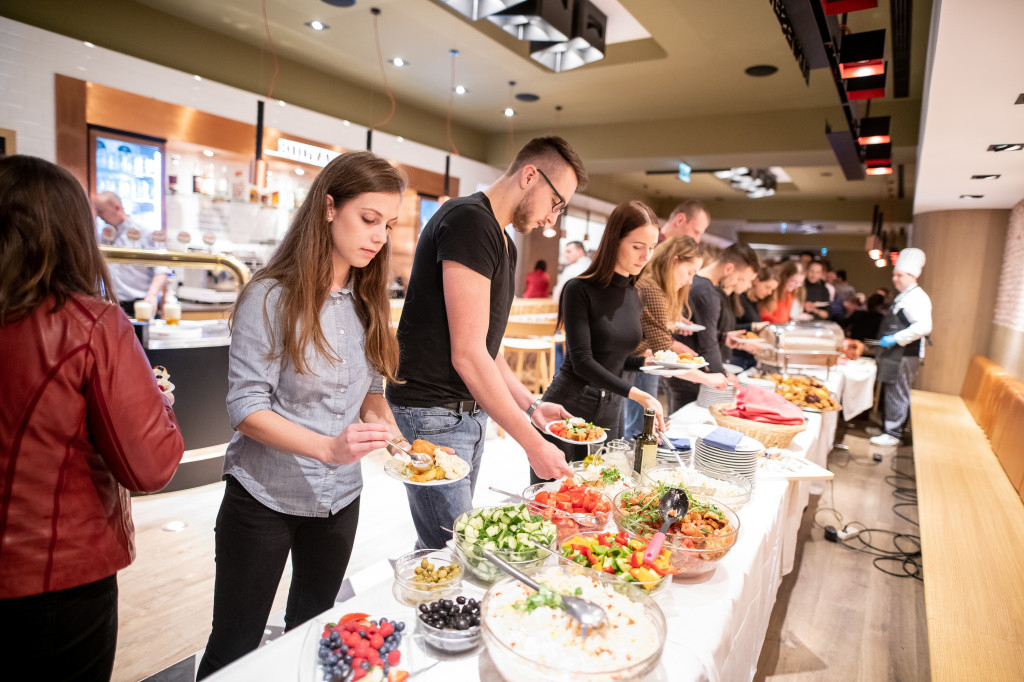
pixel 715 380
pixel 758 326
pixel 682 332
pixel 649 402
pixel 649 357
pixel 355 442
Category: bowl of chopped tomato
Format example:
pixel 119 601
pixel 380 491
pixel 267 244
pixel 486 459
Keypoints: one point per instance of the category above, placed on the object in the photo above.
pixel 621 556
pixel 572 508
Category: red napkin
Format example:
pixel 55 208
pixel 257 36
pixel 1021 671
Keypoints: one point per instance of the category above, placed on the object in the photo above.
pixel 761 405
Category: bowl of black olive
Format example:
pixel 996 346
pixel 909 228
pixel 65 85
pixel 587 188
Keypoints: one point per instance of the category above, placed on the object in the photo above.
pixel 451 625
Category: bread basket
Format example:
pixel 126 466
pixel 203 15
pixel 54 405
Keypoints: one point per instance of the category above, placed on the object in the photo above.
pixel 769 435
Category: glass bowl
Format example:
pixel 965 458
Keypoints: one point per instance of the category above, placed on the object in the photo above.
pixel 649 586
pixel 414 592
pixel 590 474
pixel 728 488
pixel 546 644
pixel 449 640
pixel 564 523
pixel 471 552
pixel 691 556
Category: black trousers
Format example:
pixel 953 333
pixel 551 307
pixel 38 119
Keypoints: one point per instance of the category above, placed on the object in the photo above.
pixel 65 635
pixel 601 407
pixel 252 545
pixel 679 392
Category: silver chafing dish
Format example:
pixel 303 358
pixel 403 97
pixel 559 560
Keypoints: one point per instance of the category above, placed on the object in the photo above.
pixel 800 344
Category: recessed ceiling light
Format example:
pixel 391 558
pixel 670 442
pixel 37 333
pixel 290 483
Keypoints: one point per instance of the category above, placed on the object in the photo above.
pixel 527 97
pixel 317 25
pixel 990 176
pixel 509 113
pixel 879 170
pixel 460 90
pixel 299 171
pixel 340 3
pixel 346 123
pixel 398 61
pixel 207 152
pixel 400 139
pixel 281 102
pixel 197 77
pixel 1014 147
pixel 972 196
pixel 88 44
pixel 761 70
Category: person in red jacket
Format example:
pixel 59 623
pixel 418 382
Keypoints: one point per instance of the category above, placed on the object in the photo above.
pixel 82 422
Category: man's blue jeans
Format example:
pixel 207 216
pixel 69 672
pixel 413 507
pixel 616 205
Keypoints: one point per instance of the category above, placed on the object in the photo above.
pixel 437 507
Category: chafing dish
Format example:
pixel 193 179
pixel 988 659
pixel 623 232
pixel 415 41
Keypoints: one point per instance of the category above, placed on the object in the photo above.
pixel 800 344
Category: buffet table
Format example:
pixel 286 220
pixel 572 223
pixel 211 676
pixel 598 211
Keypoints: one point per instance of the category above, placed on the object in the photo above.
pixel 716 625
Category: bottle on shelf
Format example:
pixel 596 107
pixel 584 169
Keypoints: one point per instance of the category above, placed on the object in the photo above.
pixel 646 454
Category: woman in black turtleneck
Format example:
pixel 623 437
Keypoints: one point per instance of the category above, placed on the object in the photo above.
pixel 601 313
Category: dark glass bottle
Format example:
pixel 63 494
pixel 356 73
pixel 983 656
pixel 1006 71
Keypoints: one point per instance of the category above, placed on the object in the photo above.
pixel 646 453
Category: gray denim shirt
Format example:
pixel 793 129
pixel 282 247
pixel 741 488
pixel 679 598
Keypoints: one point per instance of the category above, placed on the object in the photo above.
pixel 324 402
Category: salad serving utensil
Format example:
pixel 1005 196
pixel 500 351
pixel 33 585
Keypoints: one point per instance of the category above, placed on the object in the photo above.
pixel 588 519
pixel 673 506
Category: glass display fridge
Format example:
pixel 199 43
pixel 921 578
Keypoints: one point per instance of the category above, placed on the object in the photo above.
pixel 131 166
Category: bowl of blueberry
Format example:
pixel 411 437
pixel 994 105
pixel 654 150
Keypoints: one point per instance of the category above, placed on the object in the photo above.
pixel 453 626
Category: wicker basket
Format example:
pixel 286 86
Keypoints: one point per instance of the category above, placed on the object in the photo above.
pixel 769 435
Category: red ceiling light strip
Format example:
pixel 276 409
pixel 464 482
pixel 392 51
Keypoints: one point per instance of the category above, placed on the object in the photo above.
pixel 879 170
pixel 843 6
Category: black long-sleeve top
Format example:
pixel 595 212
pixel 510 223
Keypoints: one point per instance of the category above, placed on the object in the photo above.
pixel 602 327
pixel 751 314
pixel 706 306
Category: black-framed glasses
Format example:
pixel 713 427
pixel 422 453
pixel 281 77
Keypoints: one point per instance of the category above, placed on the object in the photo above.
pixel 559 205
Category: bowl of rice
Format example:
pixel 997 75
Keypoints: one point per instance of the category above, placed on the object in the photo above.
pixel 730 489
pixel 545 643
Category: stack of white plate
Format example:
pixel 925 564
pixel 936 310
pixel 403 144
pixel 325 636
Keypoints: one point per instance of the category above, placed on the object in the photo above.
pixel 742 462
pixel 712 396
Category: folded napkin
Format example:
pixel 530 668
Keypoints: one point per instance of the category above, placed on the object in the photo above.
pixel 723 439
pixel 681 443
pixel 762 405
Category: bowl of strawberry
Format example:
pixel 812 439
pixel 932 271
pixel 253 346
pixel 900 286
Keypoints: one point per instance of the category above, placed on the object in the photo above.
pixel 571 508
pixel 620 556
pixel 358 647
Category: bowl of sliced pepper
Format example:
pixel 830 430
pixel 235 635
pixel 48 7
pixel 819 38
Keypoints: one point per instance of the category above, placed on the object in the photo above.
pixel 572 508
pixel 621 556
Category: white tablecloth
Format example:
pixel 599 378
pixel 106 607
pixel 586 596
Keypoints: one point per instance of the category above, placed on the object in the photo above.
pixel 715 628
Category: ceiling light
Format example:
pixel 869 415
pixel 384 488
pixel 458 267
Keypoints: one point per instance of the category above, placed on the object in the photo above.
pixel 985 177
pixel 460 90
pixel 843 6
pixel 399 139
pixel 88 44
pixel 317 25
pixel 207 152
pixel 874 130
pixel 527 97
pixel 860 54
pixel 197 78
pixel 879 170
pixel 875 254
pixel 587 44
pixel 537 20
pixel 549 232
pixel 478 9
pixel 1005 147
pixel 340 3
pixel 347 123
pixel 761 70
pixel 509 113
pixel 299 171
pixel 755 182
pixel 281 102
pixel 972 196
pixel 880 263
pixel 398 61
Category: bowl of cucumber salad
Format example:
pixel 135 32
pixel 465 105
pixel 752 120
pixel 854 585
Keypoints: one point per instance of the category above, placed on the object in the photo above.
pixel 510 531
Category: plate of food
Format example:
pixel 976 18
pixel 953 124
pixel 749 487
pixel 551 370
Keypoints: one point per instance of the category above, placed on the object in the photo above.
pixel 576 430
pixel 441 465
pixel 670 360
pixel 344 645
pixel 805 392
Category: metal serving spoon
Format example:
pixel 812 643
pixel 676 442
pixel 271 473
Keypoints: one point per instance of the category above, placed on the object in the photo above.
pixel 588 614
pixel 419 460
pixel 588 519
pixel 673 506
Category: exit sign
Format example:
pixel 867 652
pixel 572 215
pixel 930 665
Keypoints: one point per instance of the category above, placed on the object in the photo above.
pixel 684 172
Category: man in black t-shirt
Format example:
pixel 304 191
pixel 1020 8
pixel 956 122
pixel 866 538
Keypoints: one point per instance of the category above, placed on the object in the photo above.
pixel 818 299
pixel 455 314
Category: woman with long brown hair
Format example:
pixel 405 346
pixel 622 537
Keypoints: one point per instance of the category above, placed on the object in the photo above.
pixel 311 345
pixel 601 313
pixel 778 307
pixel 82 421
pixel 748 314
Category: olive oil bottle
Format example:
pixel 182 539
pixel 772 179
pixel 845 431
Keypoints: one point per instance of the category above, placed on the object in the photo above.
pixel 646 454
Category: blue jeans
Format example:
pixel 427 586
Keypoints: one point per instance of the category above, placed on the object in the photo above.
pixel 632 411
pixel 436 507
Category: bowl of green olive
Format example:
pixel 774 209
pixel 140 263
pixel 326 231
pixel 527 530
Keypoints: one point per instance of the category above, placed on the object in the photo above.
pixel 427 575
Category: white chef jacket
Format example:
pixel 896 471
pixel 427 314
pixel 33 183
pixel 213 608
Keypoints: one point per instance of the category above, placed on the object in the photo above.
pixel 917 308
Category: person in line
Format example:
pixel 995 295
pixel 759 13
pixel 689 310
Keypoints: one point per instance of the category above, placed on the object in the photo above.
pixel 817 298
pixel 82 422
pixel 311 342
pixel 459 300
pixel 538 282
pixel 688 219
pixel 576 262
pixel 733 271
pixel 904 330
pixel 131 282
pixel 664 290
pixel 864 324
pixel 787 297
pixel 748 316
pixel 601 313
pixel 844 291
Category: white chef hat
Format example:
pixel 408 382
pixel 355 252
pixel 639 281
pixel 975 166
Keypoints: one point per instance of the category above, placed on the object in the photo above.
pixel 911 261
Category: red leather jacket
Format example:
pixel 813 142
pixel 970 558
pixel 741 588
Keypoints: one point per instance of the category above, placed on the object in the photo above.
pixel 81 420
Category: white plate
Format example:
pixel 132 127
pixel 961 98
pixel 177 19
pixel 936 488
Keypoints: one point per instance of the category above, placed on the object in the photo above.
pixel 547 430
pixel 391 470
pixel 731 368
pixel 415 658
pixel 690 327
pixel 681 365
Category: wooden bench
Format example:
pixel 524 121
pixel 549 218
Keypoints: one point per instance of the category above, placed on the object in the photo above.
pixel 970 483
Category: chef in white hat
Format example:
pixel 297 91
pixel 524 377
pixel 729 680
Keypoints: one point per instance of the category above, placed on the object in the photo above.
pixel 902 344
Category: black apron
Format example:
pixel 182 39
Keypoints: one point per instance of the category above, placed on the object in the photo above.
pixel 888 359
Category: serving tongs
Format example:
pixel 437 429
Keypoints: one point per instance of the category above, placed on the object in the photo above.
pixel 588 519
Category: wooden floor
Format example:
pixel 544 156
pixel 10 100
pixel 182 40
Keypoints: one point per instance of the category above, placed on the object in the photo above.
pixel 836 616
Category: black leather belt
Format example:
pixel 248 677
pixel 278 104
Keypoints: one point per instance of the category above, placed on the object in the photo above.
pixel 470 406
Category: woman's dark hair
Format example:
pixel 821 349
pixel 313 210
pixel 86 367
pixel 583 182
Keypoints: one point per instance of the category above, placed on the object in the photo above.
pixel 626 217
pixel 302 267
pixel 48 245
pixel 541 265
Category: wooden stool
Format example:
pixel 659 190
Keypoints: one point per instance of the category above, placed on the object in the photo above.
pixel 519 351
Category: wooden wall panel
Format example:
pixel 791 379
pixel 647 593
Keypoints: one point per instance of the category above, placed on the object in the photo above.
pixel 72 138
